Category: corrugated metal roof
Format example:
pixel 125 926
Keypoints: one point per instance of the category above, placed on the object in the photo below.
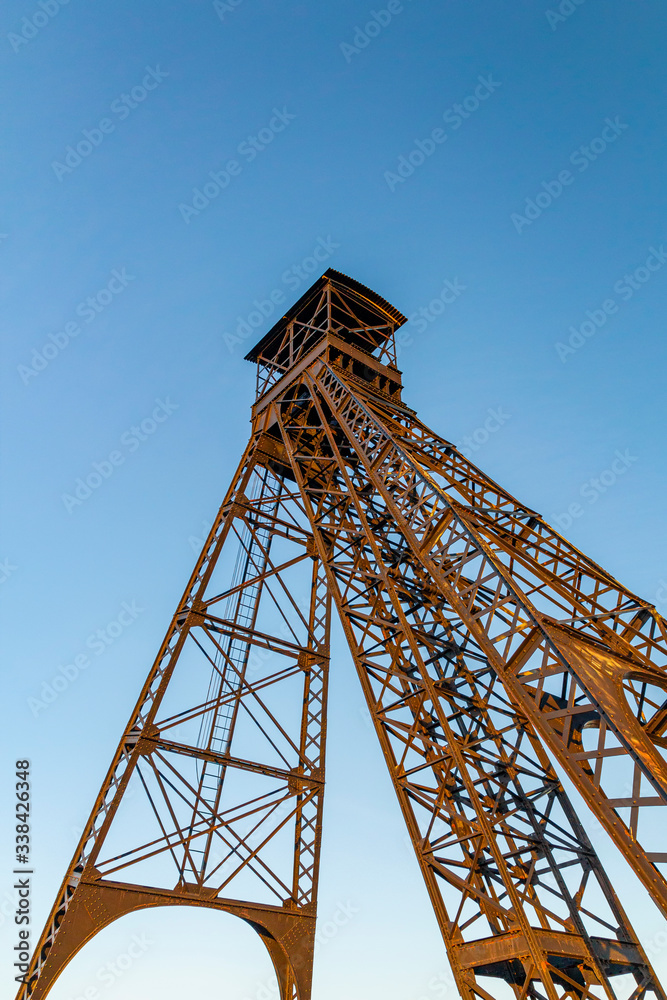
pixel 336 278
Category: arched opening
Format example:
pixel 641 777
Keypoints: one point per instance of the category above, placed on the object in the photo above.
pixel 171 952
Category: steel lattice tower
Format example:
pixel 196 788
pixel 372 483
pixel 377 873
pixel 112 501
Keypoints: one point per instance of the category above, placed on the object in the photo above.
pixel 486 646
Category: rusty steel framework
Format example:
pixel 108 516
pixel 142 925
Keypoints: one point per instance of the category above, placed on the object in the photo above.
pixel 486 645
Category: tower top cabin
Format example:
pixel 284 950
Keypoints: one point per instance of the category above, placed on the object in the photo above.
pixel 350 325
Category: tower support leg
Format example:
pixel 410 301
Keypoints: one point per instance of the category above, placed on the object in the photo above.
pixel 288 936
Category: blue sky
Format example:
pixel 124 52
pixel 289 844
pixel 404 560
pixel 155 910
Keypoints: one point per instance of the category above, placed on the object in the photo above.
pixel 541 201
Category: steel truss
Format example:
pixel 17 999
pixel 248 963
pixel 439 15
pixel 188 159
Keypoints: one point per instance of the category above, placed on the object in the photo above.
pixel 480 637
